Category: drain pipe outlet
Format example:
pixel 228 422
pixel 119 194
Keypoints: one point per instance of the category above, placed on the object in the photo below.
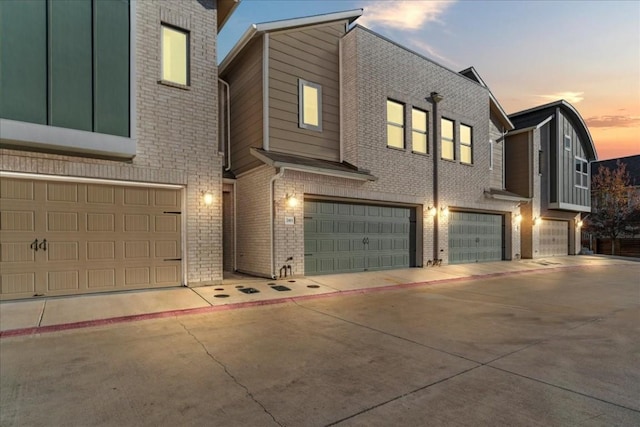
pixel 271 219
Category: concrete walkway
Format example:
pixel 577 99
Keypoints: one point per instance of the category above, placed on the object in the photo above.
pixel 43 315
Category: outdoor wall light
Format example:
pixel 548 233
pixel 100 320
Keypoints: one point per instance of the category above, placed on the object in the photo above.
pixel 444 211
pixel 432 210
pixel 292 202
pixel 580 224
pixel 207 198
pixel 518 218
pixel 537 221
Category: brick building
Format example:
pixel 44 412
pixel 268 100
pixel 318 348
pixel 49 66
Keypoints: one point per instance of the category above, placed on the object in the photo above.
pixel 353 153
pixel 108 145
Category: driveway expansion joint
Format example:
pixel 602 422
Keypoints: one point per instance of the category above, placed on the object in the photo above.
pixel 230 375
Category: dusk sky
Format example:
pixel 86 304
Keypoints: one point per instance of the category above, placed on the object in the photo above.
pixel 528 52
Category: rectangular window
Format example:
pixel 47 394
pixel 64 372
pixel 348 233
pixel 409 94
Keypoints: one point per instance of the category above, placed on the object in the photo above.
pixel 466 145
pixel 582 173
pixel 395 124
pixel 419 130
pixel 309 105
pixel 175 55
pixel 567 142
pixel 447 143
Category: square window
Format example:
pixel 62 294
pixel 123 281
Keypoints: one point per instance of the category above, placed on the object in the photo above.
pixel 447 141
pixel 395 124
pixel 419 130
pixel 175 55
pixel 309 105
pixel 466 145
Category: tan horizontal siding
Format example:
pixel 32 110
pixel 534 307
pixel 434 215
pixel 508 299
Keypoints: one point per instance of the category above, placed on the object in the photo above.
pixel 245 78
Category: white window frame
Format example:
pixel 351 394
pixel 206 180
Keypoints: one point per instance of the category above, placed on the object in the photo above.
pixel 303 121
pixel 396 124
pixel 451 140
pixel 566 142
pixel 465 144
pixel 424 133
pixel 583 175
pixel 187 33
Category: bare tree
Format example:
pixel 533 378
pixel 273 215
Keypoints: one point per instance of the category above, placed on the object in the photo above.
pixel 614 202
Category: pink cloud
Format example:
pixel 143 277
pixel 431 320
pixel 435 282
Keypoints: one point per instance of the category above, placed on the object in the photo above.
pixel 403 14
pixel 612 121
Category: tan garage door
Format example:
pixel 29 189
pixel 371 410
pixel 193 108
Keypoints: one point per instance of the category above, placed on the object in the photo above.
pixel 62 238
pixel 554 238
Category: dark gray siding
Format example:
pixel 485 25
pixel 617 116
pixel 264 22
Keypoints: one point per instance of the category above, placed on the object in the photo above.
pixel 310 54
pixel 244 76
pixel 568 191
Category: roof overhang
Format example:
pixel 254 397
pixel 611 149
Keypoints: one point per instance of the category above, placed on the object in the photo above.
pixel 494 193
pixel 224 10
pixel 530 128
pixel 257 29
pixel 315 166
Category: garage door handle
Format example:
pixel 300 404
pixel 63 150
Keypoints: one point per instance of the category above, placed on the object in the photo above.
pixel 173 259
pixel 34 245
pixel 43 245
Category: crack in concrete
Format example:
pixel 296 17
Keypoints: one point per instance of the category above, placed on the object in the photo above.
pixel 480 364
pixel 230 375
pixel 44 306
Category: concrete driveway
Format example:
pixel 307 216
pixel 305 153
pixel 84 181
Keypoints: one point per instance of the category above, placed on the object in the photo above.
pixel 540 348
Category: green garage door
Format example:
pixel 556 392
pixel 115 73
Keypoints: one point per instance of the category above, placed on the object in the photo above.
pixel 475 237
pixel 347 237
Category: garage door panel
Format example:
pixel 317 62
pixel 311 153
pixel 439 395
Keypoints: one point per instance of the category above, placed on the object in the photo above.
pixel 19 252
pixel 101 278
pixel 18 283
pixel 62 251
pixel 62 192
pixel 63 280
pixel 100 194
pixel 99 237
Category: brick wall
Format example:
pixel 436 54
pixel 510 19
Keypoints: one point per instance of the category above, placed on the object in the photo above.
pixel 176 132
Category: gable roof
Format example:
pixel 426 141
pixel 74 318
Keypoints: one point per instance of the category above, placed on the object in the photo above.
pixel 496 108
pixel 534 116
pixel 256 30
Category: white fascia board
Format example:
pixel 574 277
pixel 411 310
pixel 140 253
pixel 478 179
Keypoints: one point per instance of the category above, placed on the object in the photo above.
pixel 530 128
pixel 266 27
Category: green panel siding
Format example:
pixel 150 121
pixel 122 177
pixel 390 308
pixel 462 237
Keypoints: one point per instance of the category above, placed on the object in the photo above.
pixel 23 61
pixel 344 237
pixel 70 64
pixel 475 237
pixel 111 67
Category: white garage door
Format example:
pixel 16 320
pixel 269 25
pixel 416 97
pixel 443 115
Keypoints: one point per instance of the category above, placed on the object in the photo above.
pixel 554 238
pixel 62 238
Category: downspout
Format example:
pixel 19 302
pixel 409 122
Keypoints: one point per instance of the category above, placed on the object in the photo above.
pixel 272 209
pixel 265 93
pixel 435 99
pixel 235 227
pixel 228 114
